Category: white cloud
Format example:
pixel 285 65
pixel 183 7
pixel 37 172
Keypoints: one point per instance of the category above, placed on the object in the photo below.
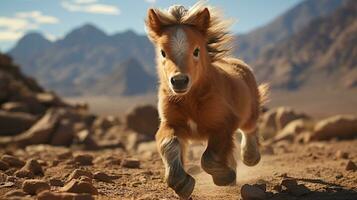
pixel 84 1
pixel 10 35
pixel 90 6
pixel 13 23
pixel 12 28
pixel 50 37
pixel 151 1
pixel 38 17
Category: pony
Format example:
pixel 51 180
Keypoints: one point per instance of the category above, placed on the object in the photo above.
pixel 204 94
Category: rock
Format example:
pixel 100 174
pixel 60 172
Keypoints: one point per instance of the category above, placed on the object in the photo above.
pixel 144 120
pixel 341 154
pixel 33 166
pixel 101 176
pixel 147 147
pixel 77 186
pixel 78 173
pixel 340 126
pixel 65 155
pixel 249 192
pixel 289 182
pixel 85 179
pixel 84 159
pixel 267 125
pixel 15 193
pixel 47 195
pixel 64 133
pixel 291 130
pixel 104 123
pixel 131 163
pixel 277 188
pixel 285 115
pixel 24 173
pixel 49 99
pixel 15 122
pixel 351 166
pixel 12 161
pixel 35 186
pixel 56 182
pixel 299 190
pixel 3 165
pixel 15 107
pixel 85 137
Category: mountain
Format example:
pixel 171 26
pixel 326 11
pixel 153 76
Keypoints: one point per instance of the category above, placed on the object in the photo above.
pixel 82 57
pixel 129 78
pixel 251 44
pixel 322 54
pixel 87 54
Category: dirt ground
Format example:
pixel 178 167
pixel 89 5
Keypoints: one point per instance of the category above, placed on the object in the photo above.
pixel 314 165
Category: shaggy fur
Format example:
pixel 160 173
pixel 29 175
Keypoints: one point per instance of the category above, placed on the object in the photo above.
pixel 221 96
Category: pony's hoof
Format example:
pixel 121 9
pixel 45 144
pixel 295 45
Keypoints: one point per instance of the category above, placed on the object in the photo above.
pixel 228 178
pixel 185 188
pixel 250 158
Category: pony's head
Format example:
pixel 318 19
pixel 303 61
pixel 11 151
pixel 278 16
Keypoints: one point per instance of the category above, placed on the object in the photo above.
pixel 186 42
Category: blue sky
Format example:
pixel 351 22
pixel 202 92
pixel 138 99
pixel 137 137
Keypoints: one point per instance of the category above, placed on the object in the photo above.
pixel 55 18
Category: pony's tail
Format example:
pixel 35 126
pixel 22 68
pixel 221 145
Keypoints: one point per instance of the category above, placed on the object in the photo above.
pixel 263 90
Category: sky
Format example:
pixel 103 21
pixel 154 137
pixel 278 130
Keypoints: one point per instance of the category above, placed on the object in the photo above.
pixel 55 18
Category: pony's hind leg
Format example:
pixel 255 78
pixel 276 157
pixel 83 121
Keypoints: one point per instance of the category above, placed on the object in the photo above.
pixel 250 154
pixel 218 159
pixel 171 151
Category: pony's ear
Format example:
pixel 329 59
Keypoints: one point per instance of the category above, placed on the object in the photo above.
pixel 153 24
pixel 202 20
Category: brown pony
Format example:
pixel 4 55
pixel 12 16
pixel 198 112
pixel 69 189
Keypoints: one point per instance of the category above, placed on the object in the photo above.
pixel 204 94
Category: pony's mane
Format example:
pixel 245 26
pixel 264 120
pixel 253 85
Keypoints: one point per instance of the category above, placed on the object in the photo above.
pixel 219 39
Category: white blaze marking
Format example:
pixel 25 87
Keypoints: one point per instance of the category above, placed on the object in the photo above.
pixel 192 125
pixel 179 45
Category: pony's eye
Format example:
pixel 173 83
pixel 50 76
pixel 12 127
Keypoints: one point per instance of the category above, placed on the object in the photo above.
pixel 163 53
pixel 196 52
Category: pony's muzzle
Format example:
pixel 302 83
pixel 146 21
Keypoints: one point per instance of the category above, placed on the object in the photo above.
pixel 179 83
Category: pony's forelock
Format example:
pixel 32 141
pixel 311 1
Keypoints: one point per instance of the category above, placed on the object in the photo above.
pixel 219 39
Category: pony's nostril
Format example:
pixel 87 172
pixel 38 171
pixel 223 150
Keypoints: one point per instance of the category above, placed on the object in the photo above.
pixel 179 81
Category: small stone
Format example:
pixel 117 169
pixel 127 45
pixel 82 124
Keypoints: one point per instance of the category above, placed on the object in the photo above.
pixel 339 176
pixel 77 186
pixel 341 154
pixel 34 167
pixel 47 195
pixel 299 190
pixel 84 159
pixel 101 176
pixel 4 166
pixel 288 182
pixel 351 166
pixel 56 182
pixel 11 179
pixel 12 161
pixel 24 173
pixel 249 192
pixel 35 186
pixel 131 163
pixel 65 155
pixel 78 173
pixel 15 193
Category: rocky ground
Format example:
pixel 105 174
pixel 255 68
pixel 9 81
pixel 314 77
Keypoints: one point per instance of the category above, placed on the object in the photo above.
pixel 318 170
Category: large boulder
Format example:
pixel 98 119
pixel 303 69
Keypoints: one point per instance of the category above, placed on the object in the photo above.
pixel 275 120
pixel 292 130
pixel 144 120
pixel 340 126
pixel 12 123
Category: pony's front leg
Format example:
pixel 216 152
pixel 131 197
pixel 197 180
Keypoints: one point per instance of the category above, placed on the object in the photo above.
pixel 218 159
pixel 250 147
pixel 172 151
